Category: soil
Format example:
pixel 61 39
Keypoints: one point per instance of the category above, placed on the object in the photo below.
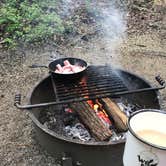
pixel 141 50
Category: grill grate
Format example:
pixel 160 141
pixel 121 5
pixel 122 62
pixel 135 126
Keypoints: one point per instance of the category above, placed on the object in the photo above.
pixel 98 82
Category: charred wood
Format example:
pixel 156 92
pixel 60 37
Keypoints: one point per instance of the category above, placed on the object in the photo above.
pixel 113 110
pixel 91 121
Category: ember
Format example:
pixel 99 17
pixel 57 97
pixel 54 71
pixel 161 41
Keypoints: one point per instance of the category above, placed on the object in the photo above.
pixel 67 122
pixel 100 112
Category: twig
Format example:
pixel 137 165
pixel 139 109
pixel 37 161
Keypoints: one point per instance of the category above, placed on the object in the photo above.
pixel 16 144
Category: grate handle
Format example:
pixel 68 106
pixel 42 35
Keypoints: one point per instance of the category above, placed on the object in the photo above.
pixel 17 99
pixel 160 80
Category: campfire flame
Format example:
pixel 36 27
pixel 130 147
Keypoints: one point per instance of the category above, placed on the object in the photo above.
pixel 97 107
pixel 100 112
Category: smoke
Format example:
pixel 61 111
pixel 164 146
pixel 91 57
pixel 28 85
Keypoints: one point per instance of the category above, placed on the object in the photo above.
pixel 68 6
pixel 111 23
pixel 112 32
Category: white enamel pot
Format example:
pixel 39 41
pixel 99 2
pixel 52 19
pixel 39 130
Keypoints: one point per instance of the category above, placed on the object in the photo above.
pixel 142 152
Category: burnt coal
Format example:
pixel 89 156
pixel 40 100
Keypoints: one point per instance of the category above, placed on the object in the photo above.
pixel 117 136
pixel 128 108
pixel 69 117
pixel 78 131
pixel 73 128
pixel 66 122
pixel 52 120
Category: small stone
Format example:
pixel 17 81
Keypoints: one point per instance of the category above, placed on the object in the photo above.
pixel 2 95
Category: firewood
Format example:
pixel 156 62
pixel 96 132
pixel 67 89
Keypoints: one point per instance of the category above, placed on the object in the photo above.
pixel 113 110
pixel 90 119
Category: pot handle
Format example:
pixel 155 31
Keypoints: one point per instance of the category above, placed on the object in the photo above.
pixel 37 65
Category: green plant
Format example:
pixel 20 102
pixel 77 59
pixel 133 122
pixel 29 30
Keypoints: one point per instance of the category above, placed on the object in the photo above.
pixel 28 21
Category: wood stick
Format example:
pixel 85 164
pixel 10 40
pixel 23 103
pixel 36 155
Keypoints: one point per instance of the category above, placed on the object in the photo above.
pixel 113 110
pixel 90 119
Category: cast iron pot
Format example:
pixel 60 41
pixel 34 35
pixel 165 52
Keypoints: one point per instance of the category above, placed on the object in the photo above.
pixel 73 61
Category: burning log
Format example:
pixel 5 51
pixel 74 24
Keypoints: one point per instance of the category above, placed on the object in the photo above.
pixel 90 119
pixel 113 110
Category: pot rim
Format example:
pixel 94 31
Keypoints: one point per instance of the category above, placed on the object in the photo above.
pixel 134 133
pixel 86 65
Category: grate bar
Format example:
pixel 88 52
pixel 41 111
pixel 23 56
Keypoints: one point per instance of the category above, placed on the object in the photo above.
pixel 87 88
pixel 95 91
pixel 99 81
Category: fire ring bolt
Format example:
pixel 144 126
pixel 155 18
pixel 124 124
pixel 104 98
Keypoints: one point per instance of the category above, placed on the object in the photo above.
pixel 78 163
pixel 66 161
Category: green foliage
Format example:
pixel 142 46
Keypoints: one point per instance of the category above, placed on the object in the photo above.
pixel 28 21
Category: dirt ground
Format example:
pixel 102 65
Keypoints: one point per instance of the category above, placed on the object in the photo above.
pixel 142 51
